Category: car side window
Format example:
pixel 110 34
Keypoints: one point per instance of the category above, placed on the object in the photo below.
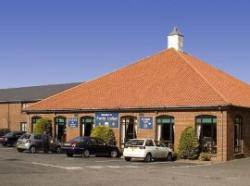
pixel 37 137
pixel 149 143
pixel 100 142
pixel 92 142
pixel 162 145
pixel 157 143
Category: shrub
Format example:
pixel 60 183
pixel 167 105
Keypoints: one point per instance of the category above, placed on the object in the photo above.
pixel 205 156
pixel 42 125
pixel 105 133
pixel 188 146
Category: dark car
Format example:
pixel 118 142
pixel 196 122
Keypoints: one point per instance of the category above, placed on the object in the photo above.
pixel 2 133
pixel 86 146
pixel 11 138
pixel 33 143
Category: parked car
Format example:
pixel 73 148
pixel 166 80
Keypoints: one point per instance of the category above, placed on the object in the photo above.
pixel 2 133
pixel 147 149
pixel 10 139
pixel 33 143
pixel 86 146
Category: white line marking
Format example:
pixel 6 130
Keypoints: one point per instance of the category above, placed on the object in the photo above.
pixel 104 161
pixel 56 166
pixel 94 167
pixel 131 166
pixel 114 166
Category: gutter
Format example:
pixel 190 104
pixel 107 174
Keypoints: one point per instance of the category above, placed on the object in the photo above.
pixel 138 109
pixel 20 101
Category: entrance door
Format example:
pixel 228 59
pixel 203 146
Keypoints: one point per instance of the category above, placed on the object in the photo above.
pixel 60 128
pixel 128 128
pixel 165 130
pixel 86 126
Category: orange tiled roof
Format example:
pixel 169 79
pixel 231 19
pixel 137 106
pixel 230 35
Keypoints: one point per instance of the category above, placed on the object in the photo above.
pixel 167 79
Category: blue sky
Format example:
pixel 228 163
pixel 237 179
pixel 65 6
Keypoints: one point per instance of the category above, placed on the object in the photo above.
pixel 59 41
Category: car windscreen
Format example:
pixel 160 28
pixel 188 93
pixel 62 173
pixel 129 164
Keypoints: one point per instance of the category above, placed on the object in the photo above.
pixel 10 134
pixel 135 143
pixel 25 136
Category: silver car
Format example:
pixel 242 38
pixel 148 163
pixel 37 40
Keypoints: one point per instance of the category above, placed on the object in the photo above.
pixel 29 142
pixel 33 143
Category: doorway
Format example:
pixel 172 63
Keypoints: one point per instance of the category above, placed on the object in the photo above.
pixel 60 128
pixel 165 130
pixel 128 129
pixel 86 125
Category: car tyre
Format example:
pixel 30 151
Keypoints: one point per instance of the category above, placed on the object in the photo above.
pixel 20 150
pixel 169 157
pixel 32 149
pixel 127 158
pixel 85 153
pixel 114 153
pixel 148 158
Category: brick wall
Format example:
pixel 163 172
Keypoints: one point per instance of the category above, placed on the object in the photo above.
pixel 182 120
pixel 11 116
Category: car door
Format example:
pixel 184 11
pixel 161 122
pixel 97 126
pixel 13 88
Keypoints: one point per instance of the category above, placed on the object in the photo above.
pixel 151 148
pixel 102 148
pixel 38 141
pixel 163 150
pixel 92 146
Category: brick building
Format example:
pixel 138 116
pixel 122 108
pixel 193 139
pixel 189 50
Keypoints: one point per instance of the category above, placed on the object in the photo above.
pixel 14 100
pixel 158 96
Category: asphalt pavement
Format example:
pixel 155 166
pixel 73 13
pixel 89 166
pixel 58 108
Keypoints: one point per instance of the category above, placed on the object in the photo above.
pixel 41 169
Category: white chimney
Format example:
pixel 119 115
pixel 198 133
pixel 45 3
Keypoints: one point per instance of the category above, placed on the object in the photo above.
pixel 175 40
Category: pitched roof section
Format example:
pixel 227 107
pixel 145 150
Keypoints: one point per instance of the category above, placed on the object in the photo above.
pixel 34 93
pixel 167 79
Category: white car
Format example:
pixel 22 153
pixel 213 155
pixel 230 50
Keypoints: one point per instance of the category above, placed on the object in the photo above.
pixel 147 149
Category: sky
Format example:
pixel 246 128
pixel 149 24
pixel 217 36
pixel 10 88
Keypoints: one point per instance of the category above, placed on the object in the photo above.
pixel 62 41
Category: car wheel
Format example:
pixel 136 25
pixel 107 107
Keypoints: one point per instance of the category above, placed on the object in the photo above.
pixel 127 159
pixel 170 157
pixel 114 154
pixel 85 153
pixel 33 149
pixel 20 150
pixel 58 150
pixel 148 158
pixel 69 154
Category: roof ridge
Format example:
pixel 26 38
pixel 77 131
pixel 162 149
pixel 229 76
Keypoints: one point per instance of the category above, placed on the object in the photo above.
pixel 206 81
pixel 38 86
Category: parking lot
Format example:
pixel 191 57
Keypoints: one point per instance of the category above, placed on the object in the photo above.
pixel 57 169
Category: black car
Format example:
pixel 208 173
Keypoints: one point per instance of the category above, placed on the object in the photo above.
pixel 11 138
pixel 86 146
pixel 2 133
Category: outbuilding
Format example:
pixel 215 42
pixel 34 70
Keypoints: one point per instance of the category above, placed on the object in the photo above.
pixel 158 97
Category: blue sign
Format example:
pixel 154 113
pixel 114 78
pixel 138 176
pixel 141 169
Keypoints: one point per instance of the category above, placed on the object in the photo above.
pixel 146 122
pixel 73 122
pixel 107 118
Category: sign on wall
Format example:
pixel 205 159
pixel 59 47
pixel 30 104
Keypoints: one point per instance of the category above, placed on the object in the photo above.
pixel 146 122
pixel 107 118
pixel 73 122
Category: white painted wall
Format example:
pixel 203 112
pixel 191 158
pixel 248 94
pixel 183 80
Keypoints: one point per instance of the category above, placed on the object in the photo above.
pixel 176 42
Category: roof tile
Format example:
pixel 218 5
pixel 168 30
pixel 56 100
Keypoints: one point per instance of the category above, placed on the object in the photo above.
pixel 167 79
